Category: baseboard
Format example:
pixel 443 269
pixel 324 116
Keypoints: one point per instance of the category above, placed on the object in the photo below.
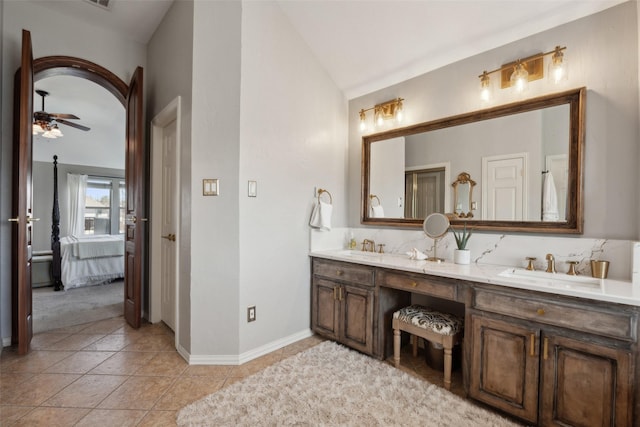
pixel 246 356
pixel 272 346
pixel 6 341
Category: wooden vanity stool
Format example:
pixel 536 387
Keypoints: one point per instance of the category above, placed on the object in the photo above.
pixel 431 325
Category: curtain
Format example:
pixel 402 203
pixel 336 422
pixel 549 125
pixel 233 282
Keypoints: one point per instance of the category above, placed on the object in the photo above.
pixel 77 186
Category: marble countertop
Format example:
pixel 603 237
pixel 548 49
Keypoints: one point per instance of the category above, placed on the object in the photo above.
pixel 615 291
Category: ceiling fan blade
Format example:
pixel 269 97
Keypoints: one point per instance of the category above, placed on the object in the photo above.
pixel 73 125
pixel 63 116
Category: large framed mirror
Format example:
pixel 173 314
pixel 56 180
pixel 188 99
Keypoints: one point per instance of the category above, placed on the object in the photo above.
pixel 526 160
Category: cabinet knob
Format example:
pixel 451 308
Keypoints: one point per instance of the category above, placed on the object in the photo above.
pixel 414 284
pixel 540 311
pixel 338 272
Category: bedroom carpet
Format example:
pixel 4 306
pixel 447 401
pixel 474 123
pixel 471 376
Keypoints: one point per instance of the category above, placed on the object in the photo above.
pixel 54 310
pixel 331 385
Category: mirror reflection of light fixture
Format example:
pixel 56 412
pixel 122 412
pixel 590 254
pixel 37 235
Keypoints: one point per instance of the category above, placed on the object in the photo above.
pixel 386 111
pixel 519 73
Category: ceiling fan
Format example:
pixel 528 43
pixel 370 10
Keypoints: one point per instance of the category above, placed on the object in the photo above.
pixel 42 120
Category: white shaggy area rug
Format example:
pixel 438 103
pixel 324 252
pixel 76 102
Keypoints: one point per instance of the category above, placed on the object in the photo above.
pixel 330 385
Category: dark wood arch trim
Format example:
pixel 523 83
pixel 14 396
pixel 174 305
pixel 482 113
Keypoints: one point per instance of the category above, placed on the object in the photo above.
pixel 49 66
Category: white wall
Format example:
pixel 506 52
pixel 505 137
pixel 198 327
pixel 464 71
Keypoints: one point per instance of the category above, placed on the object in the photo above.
pixel 270 114
pixel 52 33
pixel 215 151
pixel 292 140
pixel 169 74
pixel 602 51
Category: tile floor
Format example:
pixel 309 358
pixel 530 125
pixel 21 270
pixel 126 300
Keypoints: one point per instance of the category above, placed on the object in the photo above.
pixel 108 374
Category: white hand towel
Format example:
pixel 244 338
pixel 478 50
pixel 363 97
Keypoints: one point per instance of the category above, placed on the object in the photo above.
pixel 377 212
pixel 549 199
pixel 321 216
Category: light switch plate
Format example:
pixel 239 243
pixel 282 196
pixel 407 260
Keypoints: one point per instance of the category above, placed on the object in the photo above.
pixel 210 187
pixel 252 189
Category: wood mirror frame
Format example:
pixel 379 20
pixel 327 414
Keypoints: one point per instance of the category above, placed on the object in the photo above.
pixel 575 99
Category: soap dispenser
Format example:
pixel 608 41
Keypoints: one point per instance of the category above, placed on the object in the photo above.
pixel 352 241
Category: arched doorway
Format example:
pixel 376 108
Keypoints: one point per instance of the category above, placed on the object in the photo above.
pixel 131 97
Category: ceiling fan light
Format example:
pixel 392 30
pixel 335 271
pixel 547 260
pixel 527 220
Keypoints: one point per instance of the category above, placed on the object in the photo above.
pixel 56 131
pixel 49 134
pixel 36 128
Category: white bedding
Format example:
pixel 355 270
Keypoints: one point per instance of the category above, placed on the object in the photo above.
pixel 93 260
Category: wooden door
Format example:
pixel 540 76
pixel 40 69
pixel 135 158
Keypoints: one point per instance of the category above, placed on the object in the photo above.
pixel 22 327
pixel 356 318
pixel 504 188
pixel 325 308
pixel 134 179
pixel 505 366
pixel 585 384
pixel 169 225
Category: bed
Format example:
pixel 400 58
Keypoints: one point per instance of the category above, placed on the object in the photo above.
pixel 91 260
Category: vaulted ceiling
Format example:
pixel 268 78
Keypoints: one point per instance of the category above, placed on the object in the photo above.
pixel 364 45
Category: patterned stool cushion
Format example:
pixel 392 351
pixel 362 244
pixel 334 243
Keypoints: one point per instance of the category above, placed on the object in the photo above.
pixel 425 318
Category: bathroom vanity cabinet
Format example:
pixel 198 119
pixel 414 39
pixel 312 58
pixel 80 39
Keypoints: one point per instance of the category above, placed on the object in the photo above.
pixel 552 361
pixel 545 358
pixel 342 303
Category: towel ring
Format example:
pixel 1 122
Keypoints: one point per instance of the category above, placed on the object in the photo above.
pixel 373 196
pixel 320 191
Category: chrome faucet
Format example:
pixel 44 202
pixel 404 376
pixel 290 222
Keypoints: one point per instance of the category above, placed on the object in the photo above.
pixel 551 263
pixel 368 245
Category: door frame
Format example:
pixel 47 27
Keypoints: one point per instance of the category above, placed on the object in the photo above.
pixel 70 66
pixel 168 114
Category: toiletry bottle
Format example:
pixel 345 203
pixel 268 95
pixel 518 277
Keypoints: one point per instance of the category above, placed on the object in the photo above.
pixel 352 241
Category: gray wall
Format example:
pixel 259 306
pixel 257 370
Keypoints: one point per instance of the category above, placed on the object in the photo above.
pixel 602 51
pixel 43 197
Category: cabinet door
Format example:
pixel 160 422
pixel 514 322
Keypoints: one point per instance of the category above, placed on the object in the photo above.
pixel 325 308
pixel 585 384
pixel 357 318
pixel 505 366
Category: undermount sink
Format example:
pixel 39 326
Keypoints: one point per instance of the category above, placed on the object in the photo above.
pixel 551 279
pixel 354 252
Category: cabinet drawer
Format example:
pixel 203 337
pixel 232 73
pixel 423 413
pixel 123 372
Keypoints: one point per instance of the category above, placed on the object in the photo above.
pixel 345 272
pixel 589 318
pixel 437 287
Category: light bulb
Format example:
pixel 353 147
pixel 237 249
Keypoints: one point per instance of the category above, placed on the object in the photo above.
pixel 485 87
pixel 399 112
pixel 363 122
pixel 558 69
pixel 49 134
pixel 520 78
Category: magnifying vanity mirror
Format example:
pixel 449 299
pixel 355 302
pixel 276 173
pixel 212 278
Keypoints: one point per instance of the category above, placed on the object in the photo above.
pixel 435 226
pixel 509 150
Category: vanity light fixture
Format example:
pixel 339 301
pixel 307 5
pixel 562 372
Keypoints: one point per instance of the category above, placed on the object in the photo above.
pixel 390 110
pixel 519 73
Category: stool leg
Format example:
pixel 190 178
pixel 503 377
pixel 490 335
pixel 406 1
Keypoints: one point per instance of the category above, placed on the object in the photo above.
pixel 447 367
pixel 415 345
pixel 396 347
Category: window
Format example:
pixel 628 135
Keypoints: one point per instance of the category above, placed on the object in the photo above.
pixel 104 206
